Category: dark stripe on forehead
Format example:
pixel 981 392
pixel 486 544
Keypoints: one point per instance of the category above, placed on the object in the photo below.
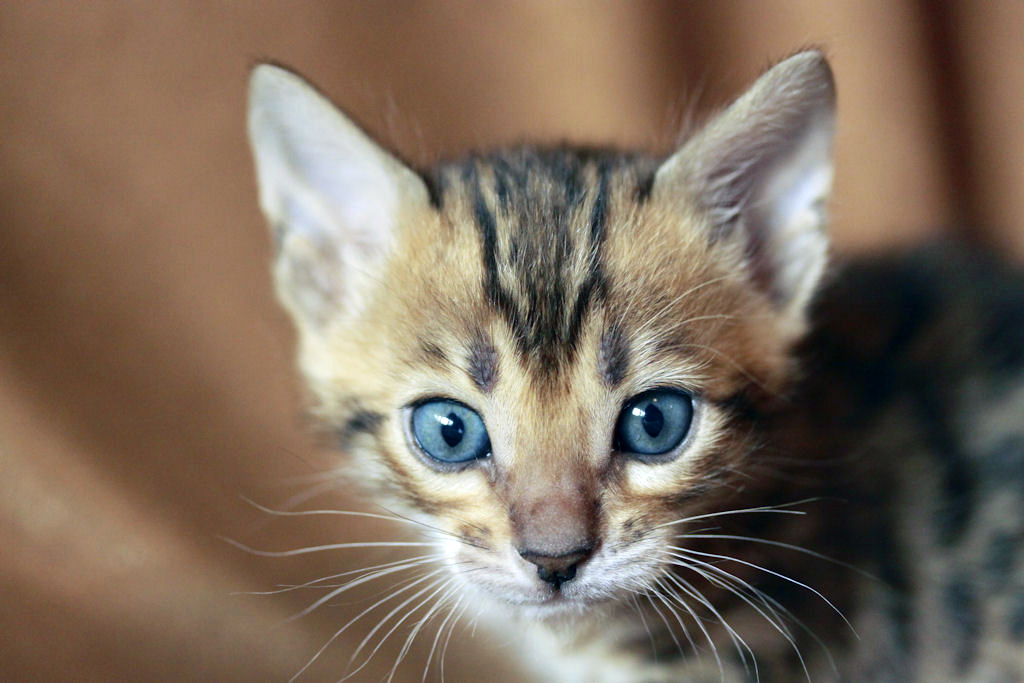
pixel 599 212
pixel 595 285
pixel 644 184
pixel 435 184
pixel 482 362
pixel 613 356
pixel 488 229
pixel 542 220
pixel 432 354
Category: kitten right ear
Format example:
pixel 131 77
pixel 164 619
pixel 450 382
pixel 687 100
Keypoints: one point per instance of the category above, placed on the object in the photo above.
pixel 333 197
pixel 761 172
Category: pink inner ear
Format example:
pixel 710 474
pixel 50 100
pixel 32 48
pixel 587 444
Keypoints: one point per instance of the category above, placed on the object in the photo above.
pixel 332 195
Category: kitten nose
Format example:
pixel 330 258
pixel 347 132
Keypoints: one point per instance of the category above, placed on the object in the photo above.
pixel 557 569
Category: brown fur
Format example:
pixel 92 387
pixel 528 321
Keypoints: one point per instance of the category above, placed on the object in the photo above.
pixel 543 288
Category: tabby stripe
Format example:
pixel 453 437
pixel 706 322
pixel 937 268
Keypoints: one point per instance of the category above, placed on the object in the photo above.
pixel 614 356
pixel 546 326
pixel 488 229
pixel 595 285
pixel 408 487
pixel 482 362
pixel 360 421
pixel 432 354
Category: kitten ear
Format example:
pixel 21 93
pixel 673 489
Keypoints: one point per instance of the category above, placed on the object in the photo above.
pixel 333 198
pixel 762 170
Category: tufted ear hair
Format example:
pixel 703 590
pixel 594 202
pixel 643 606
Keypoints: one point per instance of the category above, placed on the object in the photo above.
pixel 761 171
pixel 332 196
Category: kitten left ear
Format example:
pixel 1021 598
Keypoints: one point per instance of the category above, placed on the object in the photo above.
pixel 332 196
pixel 761 171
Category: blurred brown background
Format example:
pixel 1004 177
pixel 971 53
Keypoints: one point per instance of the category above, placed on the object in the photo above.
pixel 145 371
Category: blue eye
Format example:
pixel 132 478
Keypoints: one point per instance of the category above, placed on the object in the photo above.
pixel 654 422
pixel 449 432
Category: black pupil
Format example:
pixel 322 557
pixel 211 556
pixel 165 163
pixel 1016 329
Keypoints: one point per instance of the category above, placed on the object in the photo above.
pixel 452 430
pixel 653 420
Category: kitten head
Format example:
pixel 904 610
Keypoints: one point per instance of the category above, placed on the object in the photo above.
pixel 550 354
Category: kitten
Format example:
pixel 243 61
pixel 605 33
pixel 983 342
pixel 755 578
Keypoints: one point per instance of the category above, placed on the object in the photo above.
pixel 619 387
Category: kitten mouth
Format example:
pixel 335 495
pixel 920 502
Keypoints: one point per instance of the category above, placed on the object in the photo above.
pixel 555 602
pixel 552 598
pixel 554 605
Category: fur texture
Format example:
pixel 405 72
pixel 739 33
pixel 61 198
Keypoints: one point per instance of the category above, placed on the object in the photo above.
pixel 838 510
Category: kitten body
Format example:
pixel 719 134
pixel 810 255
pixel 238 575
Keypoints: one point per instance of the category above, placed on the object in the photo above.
pixel 840 504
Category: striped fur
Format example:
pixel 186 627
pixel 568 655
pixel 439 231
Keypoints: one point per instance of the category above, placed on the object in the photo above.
pixel 545 287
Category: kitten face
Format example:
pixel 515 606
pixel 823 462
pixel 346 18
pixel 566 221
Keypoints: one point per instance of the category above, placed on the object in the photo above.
pixel 520 306
pixel 553 481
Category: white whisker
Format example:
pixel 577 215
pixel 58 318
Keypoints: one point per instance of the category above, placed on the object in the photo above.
pixel 643 620
pixel 769 603
pixel 321 548
pixel 773 573
pixel 356 618
pixel 419 626
pixel 738 642
pixel 726 585
pixel 444 583
pixel 327 511
pixel 669 307
pixel 678 617
pixel 323 482
pixel 317 583
pixel 437 636
pixel 780 544
pixel 697 620
pixel 447 640
pixel 735 365
pixel 348 586
pixel 390 517
pixel 653 591
pixel 777 509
